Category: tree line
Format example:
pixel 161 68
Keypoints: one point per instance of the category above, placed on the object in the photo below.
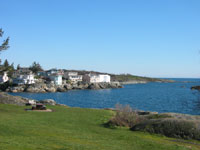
pixel 9 68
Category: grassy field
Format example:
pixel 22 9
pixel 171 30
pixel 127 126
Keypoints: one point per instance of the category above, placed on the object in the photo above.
pixel 74 129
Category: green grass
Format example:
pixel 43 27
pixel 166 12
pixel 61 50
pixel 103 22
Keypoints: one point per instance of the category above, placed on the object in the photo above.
pixel 74 129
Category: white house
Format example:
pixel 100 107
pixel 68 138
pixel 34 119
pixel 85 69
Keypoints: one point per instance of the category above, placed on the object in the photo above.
pixel 4 78
pixel 104 78
pixel 56 78
pixel 25 79
pixel 97 78
pixel 73 76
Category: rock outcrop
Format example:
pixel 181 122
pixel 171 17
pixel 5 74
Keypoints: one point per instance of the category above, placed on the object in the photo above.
pixel 42 87
pixel 48 102
pixel 61 89
pixel 195 88
pixel 9 99
pixel 21 101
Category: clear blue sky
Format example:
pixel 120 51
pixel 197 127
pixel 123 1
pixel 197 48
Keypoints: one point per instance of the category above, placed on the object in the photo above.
pixel 156 38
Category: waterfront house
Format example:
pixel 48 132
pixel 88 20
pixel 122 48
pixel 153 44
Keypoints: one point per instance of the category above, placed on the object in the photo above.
pixel 25 79
pixel 24 70
pixel 54 71
pixel 42 73
pixel 97 78
pixel 51 71
pixel 104 78
pixel 4 78
pixel 56 78
pixel 73 76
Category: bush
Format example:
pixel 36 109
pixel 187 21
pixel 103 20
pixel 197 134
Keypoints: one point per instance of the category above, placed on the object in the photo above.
pixel 170 127
pixel 125 116
pixel 158 116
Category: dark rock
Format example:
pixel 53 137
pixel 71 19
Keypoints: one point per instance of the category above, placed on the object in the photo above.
pixel 94 86
pixel 61 89
pixel 146 113
pixel 68 86
pixel 195 88
pixel 51 89
pixel 103 85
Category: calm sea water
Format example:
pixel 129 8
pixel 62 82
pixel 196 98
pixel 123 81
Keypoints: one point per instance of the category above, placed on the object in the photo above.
pixel 161 97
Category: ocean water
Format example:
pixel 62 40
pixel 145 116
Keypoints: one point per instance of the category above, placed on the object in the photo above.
pixel 160 97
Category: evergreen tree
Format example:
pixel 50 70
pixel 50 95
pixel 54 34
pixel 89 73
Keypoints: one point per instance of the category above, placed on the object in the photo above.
pixel 12 66
pixel 4 45
pixel 35 67
pixel 18 67
pixel 10 69
pixel 6 63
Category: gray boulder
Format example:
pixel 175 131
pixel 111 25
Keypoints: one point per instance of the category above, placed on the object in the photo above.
pixel 68 86
pixel 33 89
pixel 61 89
pixel 16 89
pixel 48 102
pixel 94 86
pixel 51 89
pixel 103 85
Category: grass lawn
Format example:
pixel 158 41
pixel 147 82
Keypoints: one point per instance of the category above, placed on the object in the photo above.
pixel 74 129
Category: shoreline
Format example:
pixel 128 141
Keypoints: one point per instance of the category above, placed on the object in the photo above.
pixel 52 88
pixel 7 98
pixel 42 87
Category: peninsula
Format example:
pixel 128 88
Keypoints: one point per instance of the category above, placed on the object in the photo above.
pixel 35 79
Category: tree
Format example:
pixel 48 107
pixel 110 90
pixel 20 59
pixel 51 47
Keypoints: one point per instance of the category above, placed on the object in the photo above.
pixel 6 67
pixel 4 45
pixel 35 67
pixel 12 66
pixel 18 67
pixel 6 63
pixel 10 69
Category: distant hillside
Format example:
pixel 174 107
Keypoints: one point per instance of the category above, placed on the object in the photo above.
pixel 129 77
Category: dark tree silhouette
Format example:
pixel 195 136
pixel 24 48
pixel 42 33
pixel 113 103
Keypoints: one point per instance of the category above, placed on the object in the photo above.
pixel 18 67
pixel 35 67
pixel 6 63
pixel 4 45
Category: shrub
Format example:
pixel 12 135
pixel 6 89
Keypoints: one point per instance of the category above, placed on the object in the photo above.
pixel 170 127
pixel 158 116
pixel 125 116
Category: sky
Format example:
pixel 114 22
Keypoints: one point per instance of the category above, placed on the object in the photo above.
pixel 153 38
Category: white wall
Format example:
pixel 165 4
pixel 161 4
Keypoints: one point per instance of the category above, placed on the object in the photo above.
pixel 57 79
pixel 76 78
pixel 104 78
pixel 97 78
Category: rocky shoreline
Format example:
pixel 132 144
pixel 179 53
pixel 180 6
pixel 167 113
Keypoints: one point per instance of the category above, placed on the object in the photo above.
pixel 44 88
pixel 195 88
pixel 146 81
pixel 6 98
pixel 133 82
